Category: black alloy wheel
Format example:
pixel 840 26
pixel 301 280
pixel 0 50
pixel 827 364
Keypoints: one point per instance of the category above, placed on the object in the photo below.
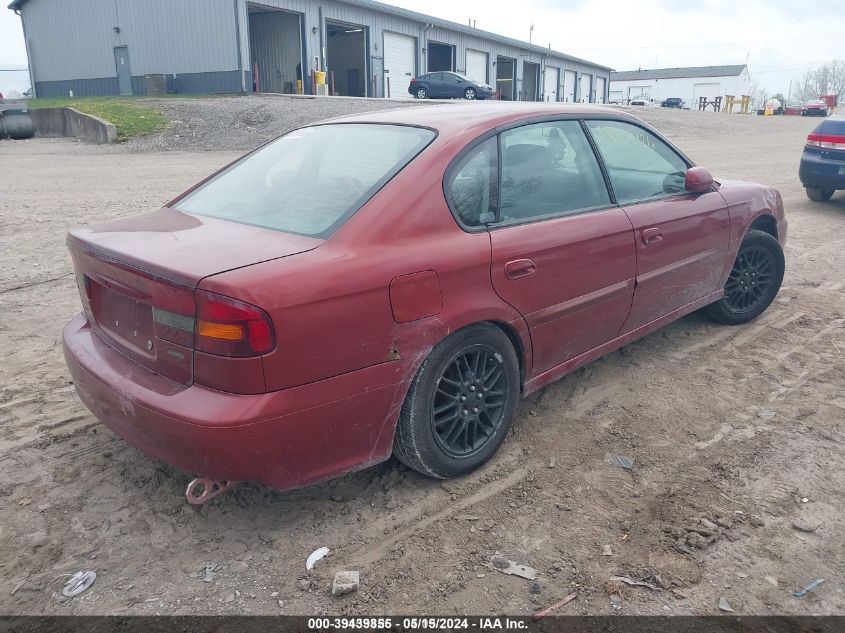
pixel 469 401
pixel 460 404
pixel 753 282
pixel 750 280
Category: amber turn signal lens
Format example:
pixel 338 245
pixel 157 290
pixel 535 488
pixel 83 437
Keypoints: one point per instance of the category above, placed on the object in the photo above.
pixel 221 331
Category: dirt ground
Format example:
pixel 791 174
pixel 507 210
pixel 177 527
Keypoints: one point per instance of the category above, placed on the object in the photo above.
pixel 741 426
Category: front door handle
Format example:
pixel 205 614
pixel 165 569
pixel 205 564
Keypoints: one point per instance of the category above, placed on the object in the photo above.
pixel 519 268
pixel 652 235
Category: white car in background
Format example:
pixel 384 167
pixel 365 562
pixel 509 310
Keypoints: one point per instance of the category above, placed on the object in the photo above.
pixel 640 100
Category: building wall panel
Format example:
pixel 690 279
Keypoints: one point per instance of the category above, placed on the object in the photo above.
pixel 75 39
pixel 660 89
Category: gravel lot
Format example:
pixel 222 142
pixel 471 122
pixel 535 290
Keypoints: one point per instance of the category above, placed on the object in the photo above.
pixel 742 426
pixel 244 123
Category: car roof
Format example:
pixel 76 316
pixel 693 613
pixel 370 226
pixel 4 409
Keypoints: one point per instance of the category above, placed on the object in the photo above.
pixel 453 118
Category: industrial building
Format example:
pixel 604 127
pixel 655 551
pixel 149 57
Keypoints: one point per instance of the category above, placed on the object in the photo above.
pixel 127 47
pixel 687 83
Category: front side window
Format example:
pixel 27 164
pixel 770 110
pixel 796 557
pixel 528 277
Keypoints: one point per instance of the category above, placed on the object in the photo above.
pixel 472 187
pixel 640 165
pixel 310 180
pixel 549 169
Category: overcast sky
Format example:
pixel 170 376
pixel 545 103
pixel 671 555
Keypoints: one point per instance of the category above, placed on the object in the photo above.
pixel 780 38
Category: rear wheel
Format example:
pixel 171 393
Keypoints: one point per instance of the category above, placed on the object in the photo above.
pixel 460 404
pixel 819 195
pixel 469 94
pixel 421 93
pixel 754 280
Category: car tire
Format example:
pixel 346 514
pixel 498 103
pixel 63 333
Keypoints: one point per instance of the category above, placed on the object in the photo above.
pixel 470 94
pixel 421 93
pixel 760 257
pixel 816 194
pixel 464 437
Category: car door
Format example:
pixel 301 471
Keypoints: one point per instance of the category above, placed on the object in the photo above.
pixel 436 85
pixel 562 254
pixel 460 86
pixel 681 237
pixel 447 85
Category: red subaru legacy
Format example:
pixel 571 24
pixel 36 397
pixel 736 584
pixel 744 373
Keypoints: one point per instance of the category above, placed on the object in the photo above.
pixel 392 283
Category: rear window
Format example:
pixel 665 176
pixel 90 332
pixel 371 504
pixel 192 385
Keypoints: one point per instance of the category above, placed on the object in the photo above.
pixel 310 180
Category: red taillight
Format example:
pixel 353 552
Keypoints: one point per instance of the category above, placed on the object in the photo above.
pixel 828 141
pixel 228 327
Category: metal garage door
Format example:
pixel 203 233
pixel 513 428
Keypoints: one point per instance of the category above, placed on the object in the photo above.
pixel 569 86
pixel 400 53
pixel 550 83
pixel 711 91
pixel 616 96
pixel 600 83
pixel 584 92
pixel 477 66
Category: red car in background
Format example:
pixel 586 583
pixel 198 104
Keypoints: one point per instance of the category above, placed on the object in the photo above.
pixel 393 282
pixel 815 108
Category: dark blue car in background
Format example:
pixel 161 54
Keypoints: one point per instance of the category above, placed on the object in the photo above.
pixel 448 85
pixel 822 169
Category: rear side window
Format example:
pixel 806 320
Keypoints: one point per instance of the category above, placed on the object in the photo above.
pixel 639 164
pixel 472 188
pixel 310 180
pixel 549 169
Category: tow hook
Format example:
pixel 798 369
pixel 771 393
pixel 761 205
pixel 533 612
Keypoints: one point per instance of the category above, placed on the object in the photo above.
pixel 202 489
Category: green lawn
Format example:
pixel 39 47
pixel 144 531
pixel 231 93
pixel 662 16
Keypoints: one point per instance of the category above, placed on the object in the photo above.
pixel 130 117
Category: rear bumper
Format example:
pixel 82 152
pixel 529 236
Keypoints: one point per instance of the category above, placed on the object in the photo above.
pixel 285 439
pixel 824 173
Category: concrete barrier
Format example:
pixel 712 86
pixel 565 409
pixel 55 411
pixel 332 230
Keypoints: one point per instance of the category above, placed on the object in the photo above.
pixel 70 122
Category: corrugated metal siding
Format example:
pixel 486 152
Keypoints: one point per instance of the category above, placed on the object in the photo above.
pixel 102 87
pixel 188 36
pixel 74 39
pixel 70 40
pixel 225 81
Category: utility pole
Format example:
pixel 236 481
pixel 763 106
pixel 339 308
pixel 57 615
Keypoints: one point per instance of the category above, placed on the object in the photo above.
pixel 530 39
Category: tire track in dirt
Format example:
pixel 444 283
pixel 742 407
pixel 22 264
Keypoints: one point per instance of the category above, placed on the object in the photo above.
pixel 367 556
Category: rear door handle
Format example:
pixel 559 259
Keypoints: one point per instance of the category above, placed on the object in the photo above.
pixel 652 235
pixel 519 268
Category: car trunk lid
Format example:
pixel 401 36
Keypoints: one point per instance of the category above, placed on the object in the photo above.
pixel 137 278
pixel 830 138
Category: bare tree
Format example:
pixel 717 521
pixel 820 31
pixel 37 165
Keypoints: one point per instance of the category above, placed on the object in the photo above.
pixel 826 80
pixel 758 94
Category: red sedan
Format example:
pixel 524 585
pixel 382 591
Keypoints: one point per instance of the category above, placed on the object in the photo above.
pixel 392 283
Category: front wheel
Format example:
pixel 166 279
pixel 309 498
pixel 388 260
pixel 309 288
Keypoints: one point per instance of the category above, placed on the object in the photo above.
pixel 469 94
pixel 754 280
pixel 817 194
pixel 460 404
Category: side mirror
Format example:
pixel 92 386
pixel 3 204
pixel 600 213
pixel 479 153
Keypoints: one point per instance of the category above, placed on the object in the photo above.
pixel 698 180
